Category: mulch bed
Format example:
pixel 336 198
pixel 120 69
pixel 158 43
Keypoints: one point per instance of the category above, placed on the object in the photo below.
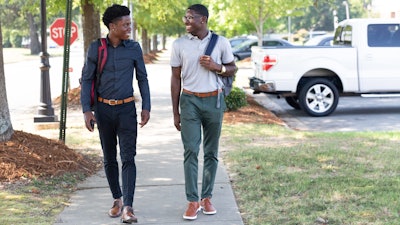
pixel 31 156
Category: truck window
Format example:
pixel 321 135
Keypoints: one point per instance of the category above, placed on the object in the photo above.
pixel 384 35
pixel 347 35
pixel 271 43
pixel 337 38
pixel 343 36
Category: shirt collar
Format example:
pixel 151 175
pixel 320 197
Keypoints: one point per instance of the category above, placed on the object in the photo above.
pixel 123 42
pixel 191 36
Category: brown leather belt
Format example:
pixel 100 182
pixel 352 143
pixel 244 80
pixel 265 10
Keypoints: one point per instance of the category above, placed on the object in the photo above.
pixel 115 101
pixel 201 94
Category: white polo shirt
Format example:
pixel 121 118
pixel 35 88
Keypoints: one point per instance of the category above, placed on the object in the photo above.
pixel 186 52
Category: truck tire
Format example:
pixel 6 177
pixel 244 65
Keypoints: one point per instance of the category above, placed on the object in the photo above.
pixel 293 101
pixel 318 97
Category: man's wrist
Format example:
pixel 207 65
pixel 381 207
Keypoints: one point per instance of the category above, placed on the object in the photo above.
pixel 223 70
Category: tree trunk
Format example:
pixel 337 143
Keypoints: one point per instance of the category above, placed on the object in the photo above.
pixel 33 35
pixel 145 48
pixel 134 29
pixel 6 129
pixel 155 43
pixel 148 44
pixel 90 24
pixel 164 42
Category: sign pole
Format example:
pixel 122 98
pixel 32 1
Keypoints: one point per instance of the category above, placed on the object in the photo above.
pixel 65 80
pixel 45 109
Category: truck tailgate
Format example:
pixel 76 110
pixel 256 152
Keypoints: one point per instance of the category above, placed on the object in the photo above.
pixel 284 67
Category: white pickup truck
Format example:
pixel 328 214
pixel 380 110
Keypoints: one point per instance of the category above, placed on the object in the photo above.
pixel 363 61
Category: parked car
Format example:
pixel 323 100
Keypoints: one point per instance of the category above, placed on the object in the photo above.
pixel 238 40
pixel 243 50
pixel 321 40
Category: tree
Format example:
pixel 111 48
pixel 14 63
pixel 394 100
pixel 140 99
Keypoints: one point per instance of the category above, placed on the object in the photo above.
pixel 33 34
pixel 158 17
pixel 90 23
pixel 320 16
pixel 262 14
pixel 6 129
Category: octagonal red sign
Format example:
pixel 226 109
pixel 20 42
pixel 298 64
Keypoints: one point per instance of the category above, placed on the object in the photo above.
pixel 57 31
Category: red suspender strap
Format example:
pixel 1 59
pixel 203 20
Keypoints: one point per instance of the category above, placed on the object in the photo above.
pixel 102 55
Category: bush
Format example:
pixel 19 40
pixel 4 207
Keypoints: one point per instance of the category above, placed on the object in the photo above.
pixel 6 39
pixel 16 39
pixel 236 99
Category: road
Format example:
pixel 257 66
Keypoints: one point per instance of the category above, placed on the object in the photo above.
pixel 23 80
pixel 352 113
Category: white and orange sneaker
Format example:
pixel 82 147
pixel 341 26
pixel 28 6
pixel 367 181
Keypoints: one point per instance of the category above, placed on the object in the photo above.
pixel 191 211
pixel 207 207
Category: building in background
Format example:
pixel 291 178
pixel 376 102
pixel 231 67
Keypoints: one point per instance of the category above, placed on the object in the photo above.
pixel 386 8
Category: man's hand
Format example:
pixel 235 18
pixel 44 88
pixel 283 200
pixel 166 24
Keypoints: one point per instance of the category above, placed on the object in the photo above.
pixel 208 63
pixel 177 122
pixel 89 120
pixel 145 117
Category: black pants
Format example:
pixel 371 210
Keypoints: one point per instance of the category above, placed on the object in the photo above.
pixel 114 123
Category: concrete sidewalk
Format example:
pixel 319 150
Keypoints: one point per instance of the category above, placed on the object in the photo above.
pixel 160 196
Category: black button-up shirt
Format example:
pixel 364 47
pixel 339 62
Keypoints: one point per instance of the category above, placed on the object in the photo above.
pixel 116 81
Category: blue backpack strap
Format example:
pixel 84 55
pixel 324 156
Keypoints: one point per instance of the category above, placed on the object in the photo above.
pixel 211 44
pixel 209 49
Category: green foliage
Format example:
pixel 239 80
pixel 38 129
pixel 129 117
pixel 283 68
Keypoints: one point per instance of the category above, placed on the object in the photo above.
pixel 6 39
pixel 160 17
pixel 16 39
pixel 236 99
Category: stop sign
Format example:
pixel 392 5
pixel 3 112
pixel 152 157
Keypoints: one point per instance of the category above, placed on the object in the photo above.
pixel 57 31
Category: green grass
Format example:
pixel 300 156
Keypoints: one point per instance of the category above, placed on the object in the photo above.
pixel 40 201
pixel 281 176
pixel 37 202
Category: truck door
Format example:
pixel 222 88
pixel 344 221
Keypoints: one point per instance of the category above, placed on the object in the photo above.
pixel 379 61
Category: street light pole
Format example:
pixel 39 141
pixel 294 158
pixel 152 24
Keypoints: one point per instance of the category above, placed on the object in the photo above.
pixel 45 109
pixel 289 12
pixel 347 9
pixel 335 20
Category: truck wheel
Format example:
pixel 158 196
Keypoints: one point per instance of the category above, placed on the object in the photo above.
pixel 293 101
pixel 318 97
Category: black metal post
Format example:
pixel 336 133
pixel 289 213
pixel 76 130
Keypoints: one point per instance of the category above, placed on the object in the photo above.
pixel 45 109
pixel 64 93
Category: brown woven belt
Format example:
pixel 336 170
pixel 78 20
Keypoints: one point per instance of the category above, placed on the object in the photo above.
pixel 201 94
pixel 115 101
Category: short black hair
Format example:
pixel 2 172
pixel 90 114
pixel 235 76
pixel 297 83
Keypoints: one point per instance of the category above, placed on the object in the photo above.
pixel 114 13
pixel 200 9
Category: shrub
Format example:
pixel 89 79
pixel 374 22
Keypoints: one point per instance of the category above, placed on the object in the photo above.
pixel 236 99
pixel 6 39
pixel 16 39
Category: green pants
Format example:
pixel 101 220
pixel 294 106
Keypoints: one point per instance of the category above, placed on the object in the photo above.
pixel 197 115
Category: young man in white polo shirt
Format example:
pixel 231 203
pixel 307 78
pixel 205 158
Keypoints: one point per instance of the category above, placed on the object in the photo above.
pixel 198 103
